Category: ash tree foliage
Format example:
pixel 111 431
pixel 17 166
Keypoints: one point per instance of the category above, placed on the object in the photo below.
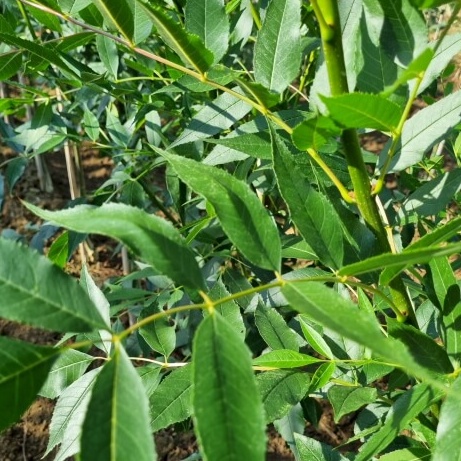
pixel 275 259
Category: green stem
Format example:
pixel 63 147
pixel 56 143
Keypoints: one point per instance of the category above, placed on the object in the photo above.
pixel 327 13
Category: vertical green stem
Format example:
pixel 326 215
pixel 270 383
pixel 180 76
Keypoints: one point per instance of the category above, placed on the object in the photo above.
pixel 327 14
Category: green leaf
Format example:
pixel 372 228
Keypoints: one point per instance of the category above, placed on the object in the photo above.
pixel 448 295
pixel 150 237
pixel 405 31
pixel 242 216
pixel 290 425
pixel 253 144
pixel 314 133
pixel 406 407
pixel 188 47
pixel 433 196
pixel 274 330
pixel 322 376
pixel 223 374
pixel 230 310
pixel 424 4
pixel 159 334
pixel 407 454
pixel 69 366
pixel 331 310
pixel 73 6
pixel 422 347
pixel 361 110
pixel 208 20
pixel 408 257
pixel 43 53
pixel 142 23
pixel 215 117
pixel 312 213
pixel 284 358
pixel 116 425
pixel 314 338
pixel 448 440
pixel 29 294
pixel 450 47
pixel 23 370
pixel 277 53
pixel 313 450
pixel 281 390
pixel 346 399
pixel 441 234
pixel 258 93
pixel 10 63
pixel 424 129
pixel 171 402
pixel 118 16
pixel 91 124
pixel 108 52
pixel 68 415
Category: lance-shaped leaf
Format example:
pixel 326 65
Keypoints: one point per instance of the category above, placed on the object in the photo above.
pixel 423 130
pixel 10 63
pixel 69 366
pixel 73 6
pixel 187 46
pixel 312 213
pixel 40 294
pixel 406 258
pixel 448 440
pixel 439 235
pixel 447 292
pixel 148 236
pixel 208 20
pixel 284 358
pixel 23 370
pixel 68 415
pixel 361 110
pixel 315 132
pixel 278 46
pixel 116 425
pixel 117 15
pixel 406 407
pixel 229 415
pixel 241 214
pixel 329 309
pixel 215 117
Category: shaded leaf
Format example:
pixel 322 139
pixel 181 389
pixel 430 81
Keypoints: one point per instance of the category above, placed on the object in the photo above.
pixel 223 374
pixel 215 117
pixel 30 294
pixel 314 133
pixel 23 370
pixel 348 399
pixel 314 338
pixel 152 238
pixel 209 21
pixel 117 15
pixel 406 407
pixel 322 376
pixel 312 213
